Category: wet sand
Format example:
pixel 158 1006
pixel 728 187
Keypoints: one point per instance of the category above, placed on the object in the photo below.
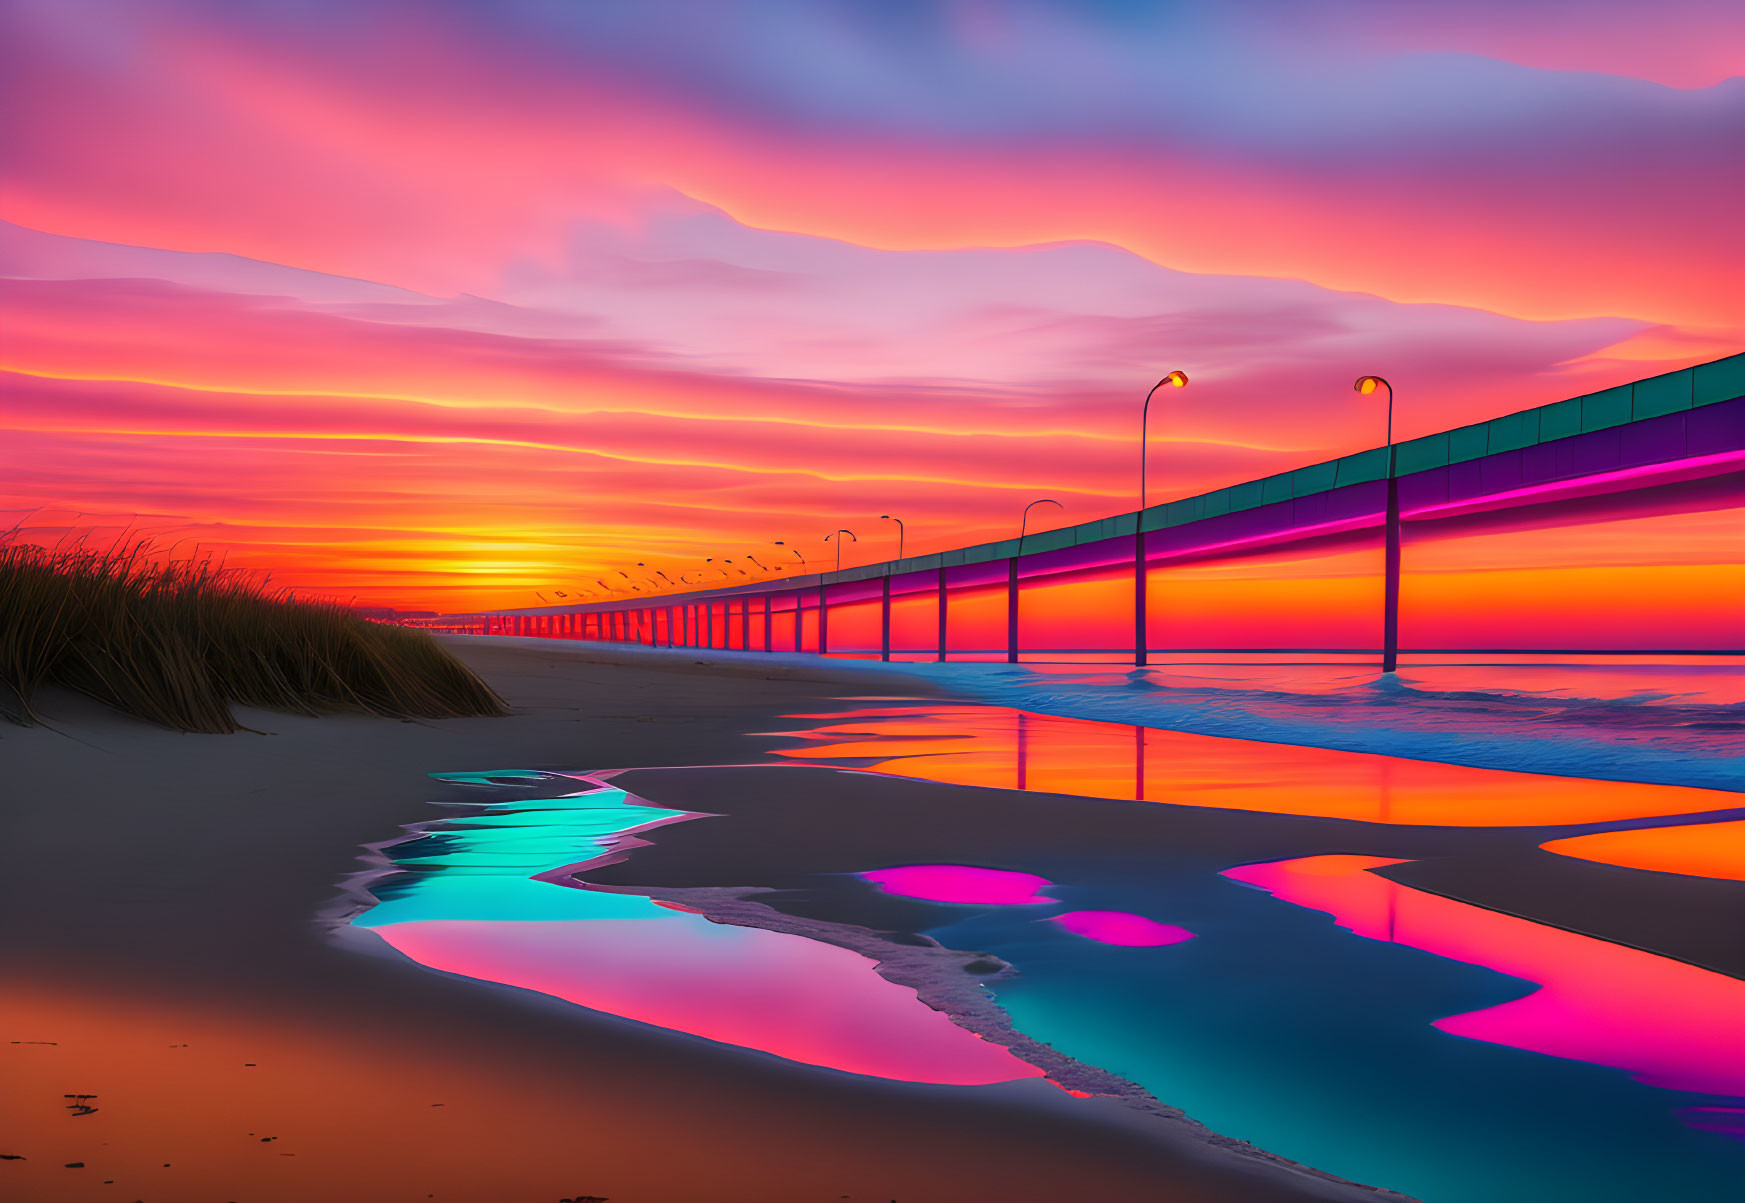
pixel 164 956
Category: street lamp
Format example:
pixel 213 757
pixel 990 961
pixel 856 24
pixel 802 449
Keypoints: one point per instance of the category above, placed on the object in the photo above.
pixel 899 523
pixel 1177 379
pixel 1390 613
pixel 795 550
pixel 1367 385
pixel 1024 525
pixel 851 535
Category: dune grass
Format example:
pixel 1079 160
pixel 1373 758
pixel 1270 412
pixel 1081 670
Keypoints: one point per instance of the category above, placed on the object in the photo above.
pixel 179 643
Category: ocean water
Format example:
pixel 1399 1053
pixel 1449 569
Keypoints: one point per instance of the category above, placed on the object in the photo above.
pixel 1672 721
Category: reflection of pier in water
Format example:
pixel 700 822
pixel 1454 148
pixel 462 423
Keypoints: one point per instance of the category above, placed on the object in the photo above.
pixel 1007 748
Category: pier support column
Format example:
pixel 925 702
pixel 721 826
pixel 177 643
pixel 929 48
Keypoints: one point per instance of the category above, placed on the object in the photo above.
pixel 942 597
pixel 1139 632
pixel 1012 610
pixel 885 620
pixel 1390 619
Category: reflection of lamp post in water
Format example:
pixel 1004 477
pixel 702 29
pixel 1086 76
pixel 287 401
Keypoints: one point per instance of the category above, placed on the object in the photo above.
pixel 1390 613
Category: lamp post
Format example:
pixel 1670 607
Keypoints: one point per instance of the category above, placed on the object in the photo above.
pixel 1390 612
pixel 899 523
pixel 885 595
pixel 1012 580
pixel 795 550
pixel 1176 379
pixel 850 534
pixel 1024 524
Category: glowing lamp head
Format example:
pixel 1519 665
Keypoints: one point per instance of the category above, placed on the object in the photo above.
pixel 1369 384
pixel 1176 379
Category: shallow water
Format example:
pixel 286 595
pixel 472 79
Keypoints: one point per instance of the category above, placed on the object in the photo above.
pixel 1674 721
pixel 491 896
pixel 1009 748
pixel 1446 1051
pixel 1310 1005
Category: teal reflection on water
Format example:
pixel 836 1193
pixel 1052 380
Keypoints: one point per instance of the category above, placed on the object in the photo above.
pixel 485 867
pixel 1280 1027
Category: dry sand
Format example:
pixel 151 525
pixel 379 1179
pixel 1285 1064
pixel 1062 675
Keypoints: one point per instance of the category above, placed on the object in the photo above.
pixel 160 894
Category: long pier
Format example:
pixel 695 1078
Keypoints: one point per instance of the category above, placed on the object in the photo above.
pixel 1178 577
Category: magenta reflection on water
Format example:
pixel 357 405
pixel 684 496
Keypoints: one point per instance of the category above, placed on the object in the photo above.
pixel 1122 928
pixel 961 883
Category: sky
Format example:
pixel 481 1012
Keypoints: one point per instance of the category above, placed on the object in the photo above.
pixel 467 303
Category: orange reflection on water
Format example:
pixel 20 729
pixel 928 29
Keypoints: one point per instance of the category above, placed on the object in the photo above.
pixel 1015 749
pixel 1695 849
pixel 1666 1023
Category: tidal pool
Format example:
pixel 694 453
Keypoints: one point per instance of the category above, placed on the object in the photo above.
pixel 490 896
pixel 1330 1015
pixel 1308 1004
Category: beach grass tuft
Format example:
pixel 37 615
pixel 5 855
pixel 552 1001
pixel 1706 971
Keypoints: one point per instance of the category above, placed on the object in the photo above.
pixel 180 642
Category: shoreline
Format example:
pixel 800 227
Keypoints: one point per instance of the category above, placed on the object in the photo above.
pixel 929 970
pixel 164 951
pixel 1364 714
pixel 939 976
